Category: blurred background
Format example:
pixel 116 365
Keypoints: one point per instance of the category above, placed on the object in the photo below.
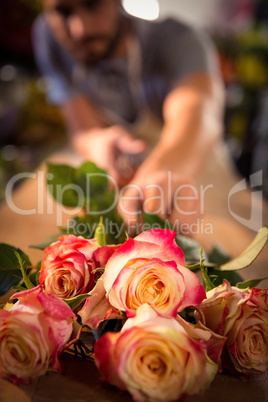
pixel 30 128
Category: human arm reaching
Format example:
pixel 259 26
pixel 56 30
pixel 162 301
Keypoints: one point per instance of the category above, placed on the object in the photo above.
pixel 192 124
pixel 97 142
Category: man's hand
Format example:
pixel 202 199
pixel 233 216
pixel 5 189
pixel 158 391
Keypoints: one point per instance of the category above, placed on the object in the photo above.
pixel 164 193
pixel 109 148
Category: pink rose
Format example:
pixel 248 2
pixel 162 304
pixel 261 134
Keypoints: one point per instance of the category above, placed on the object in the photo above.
pixel 32 334
pixel 67 270
pixel 241 316
pixel 155 359
pixel 150 269
pixel 97 308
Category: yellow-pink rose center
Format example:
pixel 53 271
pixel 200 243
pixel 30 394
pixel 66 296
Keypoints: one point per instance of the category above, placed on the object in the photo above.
pixel 152 285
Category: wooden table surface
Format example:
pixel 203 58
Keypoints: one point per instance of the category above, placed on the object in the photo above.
pixel 80 380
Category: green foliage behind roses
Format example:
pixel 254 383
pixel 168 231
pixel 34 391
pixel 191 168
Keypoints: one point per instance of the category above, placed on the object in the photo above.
pixel 87 187
pixel 10 272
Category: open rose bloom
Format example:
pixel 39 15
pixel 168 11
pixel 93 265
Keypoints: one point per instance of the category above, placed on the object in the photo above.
pixel 241 316
pixel 151 269
pixel 67 269
pixel 32 334
pixel 155 359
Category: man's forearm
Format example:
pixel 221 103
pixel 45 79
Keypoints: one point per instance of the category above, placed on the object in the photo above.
pixel 193 122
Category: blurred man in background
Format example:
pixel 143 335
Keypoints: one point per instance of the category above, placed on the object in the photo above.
pixel 129 89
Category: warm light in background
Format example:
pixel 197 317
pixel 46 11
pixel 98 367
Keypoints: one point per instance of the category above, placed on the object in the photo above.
pixel 146 9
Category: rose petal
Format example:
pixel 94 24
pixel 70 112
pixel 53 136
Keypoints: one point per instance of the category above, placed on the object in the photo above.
pixel 165 238
pixel 97 308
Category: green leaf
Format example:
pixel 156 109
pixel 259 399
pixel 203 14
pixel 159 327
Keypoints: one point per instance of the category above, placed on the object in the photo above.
pixel 100 233
pixel 76 187
pixel 204 271
pixel 218 256
pixel 18 288
pixel 193 266
pixel 98 270
pixel 34 275
pixel 251 283
pixel 249 255
pixel 75 301
pixel 10 273
pixel 92 179
pixel 25 276
pixel 103 203
pixel 76 224
pixel 217 277
pixel 86 226
pixel 60 183
pixel 190 248
pixel 151 221
pixel 45 243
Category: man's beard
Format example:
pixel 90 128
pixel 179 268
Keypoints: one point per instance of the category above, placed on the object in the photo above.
pixel 90 58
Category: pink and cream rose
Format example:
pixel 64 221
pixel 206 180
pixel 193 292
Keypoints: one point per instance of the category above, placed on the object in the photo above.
pixel 155 359
pixel 151 269
pixel 32 334
pixel 68 268
pixel 97 308
pixel 241 316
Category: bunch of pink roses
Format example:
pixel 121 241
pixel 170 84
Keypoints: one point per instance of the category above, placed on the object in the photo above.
pixel 157 355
